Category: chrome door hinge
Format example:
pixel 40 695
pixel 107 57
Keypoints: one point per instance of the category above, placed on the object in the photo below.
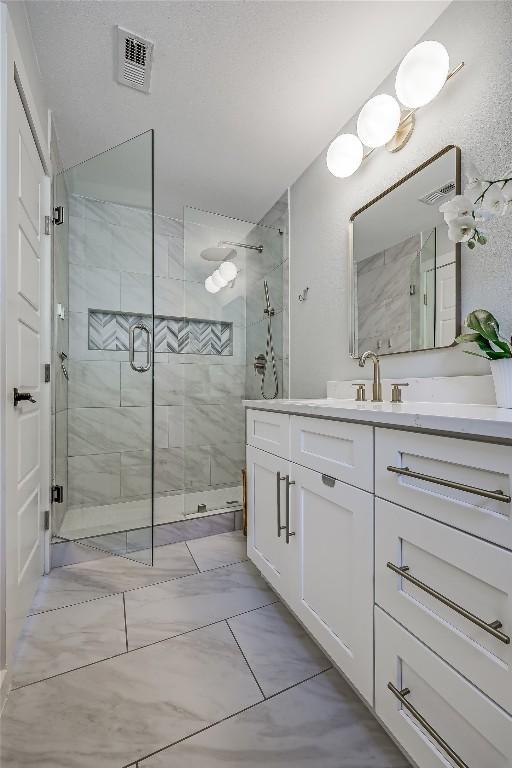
pixel 46 520
pixel 47 373
pixel 58 215
pixel 57 494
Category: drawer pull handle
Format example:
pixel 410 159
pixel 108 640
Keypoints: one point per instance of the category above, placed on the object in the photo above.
pixel 279 526
pixel 495 495
pixel 493 628
pixel 287 526
pixel 329 481
pixel 400 695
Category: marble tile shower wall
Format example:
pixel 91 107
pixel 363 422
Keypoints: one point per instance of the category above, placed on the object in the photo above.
pixel 272 265
pixel 198 412
pixel 383 298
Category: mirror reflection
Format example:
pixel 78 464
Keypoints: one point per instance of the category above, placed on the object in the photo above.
pixel 405 270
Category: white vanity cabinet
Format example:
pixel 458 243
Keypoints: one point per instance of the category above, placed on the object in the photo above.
pixel 393 546
pixel 266 509
pixel 311 535
pixel 333 546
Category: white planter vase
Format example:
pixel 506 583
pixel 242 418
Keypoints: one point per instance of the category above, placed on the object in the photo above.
pixel 502 377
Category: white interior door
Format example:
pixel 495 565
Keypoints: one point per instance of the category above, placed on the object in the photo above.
pixel 27 476
pixel 445 305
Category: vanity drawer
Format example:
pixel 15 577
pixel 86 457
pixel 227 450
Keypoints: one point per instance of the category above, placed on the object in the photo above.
pixel 335 448
pixel 269 431
pixel 471 573
pixel 445 705
pixel 438 464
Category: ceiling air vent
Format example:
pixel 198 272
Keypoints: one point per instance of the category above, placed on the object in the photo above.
pixel 437 194
pixel 134 59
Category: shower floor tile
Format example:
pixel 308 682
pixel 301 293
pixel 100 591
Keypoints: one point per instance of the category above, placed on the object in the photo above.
pixel 294 656
pixel 216 551
pixel 318 724
pixel 178 606
pixel 58 641
pixel 97 578
pixel 117 711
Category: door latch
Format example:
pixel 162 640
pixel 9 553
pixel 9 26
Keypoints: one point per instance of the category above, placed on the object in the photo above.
pixel 57 494
pixel 20 397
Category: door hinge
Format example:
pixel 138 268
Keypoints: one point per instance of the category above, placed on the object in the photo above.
pixel 46 520
pixel 47 225
pixel 57 494
pixel 58 215
pixel 47 373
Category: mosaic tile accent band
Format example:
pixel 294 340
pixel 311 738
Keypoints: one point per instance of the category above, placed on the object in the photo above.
pixel 179 335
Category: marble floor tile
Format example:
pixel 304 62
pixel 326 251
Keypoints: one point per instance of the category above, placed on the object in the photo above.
pixel 319 724
pixel 117 711
pixel 215 551
pixel 278 650
pixel 58 641
pixel 174 607
pixel 86 581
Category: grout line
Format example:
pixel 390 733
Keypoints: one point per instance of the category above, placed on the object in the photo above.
pixel 142 647
pixel 125 624
pixel 133 589
pixel 193 558
pixel 225 719
pixel 245 659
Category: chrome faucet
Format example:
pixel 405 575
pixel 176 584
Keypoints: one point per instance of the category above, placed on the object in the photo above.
pixel 377 385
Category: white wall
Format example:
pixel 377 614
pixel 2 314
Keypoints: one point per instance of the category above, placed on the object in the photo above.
pixel 23 34
pixel 474 112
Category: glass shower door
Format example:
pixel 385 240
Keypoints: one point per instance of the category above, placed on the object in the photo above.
pixel 103 351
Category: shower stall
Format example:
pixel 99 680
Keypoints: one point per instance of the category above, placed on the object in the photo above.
pixel 150 366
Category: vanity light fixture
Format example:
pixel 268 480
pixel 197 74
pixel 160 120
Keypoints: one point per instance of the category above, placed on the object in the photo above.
pixel 344 155
pixel 210 285
pixel 420 77
pixel 378 120
pixel 222 277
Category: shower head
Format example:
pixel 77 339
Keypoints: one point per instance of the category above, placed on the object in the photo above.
pixel 218 253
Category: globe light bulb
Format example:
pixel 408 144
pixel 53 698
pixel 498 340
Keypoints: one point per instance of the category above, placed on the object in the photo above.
pixel 228 271
pixel 345 155
pixel 378 120
pixel 422 74
pixel 218 280
pixel 210 285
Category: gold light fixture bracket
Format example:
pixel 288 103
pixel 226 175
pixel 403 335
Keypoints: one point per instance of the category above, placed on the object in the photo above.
pixel 404 132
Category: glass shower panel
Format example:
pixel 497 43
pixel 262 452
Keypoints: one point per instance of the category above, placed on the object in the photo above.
pixel 212 357
pixel 103 351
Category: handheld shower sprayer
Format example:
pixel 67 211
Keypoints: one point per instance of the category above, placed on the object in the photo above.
pixel 261 361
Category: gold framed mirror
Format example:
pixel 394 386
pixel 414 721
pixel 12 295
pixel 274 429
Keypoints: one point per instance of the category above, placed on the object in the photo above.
pixel 404 272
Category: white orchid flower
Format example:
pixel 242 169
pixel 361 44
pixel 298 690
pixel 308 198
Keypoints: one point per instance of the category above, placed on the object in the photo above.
pixel 506 189
pixel 494 200
pixel 475 186
pixel 460 205
pixel 461 229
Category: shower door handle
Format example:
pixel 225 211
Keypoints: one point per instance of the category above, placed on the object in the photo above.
pixel 149 348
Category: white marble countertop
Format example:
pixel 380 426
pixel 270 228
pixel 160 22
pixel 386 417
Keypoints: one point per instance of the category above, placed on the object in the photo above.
pixel 480 421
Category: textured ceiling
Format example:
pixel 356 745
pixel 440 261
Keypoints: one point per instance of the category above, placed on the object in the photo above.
pixel 244 94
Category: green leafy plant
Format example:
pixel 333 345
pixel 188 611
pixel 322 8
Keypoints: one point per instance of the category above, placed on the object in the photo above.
pixel 486 334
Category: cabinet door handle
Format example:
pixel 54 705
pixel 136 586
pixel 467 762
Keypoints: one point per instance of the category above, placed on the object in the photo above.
pixel 494 495
pixel 287 526
pixel 278 490
pixel 400 695
pixel 493 627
